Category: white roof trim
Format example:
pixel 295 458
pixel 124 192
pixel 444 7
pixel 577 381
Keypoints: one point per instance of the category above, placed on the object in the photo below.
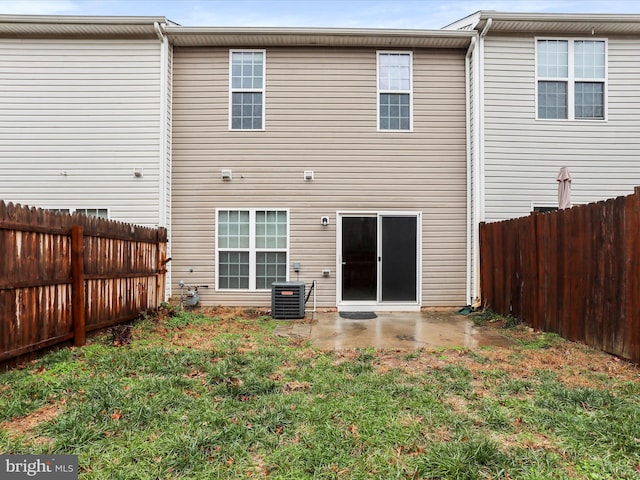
pixel 265 37
pixel 560 23
pixel 78 26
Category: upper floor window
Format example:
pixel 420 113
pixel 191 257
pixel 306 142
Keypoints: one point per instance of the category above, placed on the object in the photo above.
pixel 395 91
pixel 246 92
pixel 571 79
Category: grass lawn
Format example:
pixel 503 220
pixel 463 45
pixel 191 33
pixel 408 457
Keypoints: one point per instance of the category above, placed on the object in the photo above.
pixel 218 396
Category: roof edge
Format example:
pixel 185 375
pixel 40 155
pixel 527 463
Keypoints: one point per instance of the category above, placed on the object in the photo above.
pixel 373 32
pixel 559 17
pixel 84 19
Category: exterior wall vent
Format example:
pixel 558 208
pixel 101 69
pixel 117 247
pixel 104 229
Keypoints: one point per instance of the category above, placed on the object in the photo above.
pixel 287 300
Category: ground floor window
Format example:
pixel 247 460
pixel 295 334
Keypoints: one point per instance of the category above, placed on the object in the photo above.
pixel 252 248
pixel 94 212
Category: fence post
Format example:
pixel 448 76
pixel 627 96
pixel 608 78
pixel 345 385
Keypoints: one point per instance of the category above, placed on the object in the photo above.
pixel 77 285
pixel 161 253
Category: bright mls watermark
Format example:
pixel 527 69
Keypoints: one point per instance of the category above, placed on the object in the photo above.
pixel 50 467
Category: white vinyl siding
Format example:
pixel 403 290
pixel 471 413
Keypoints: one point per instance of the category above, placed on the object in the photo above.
pixel 77 117
pixel 322 117
pixel 523 156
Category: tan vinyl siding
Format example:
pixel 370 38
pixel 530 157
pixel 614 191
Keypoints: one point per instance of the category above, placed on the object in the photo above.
pixel 89 108
pixel 523 155
pixel 320 116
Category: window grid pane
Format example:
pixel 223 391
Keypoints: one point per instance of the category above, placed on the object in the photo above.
pixel 246 111
pixel 394 111
pixel 553 58
pixel 589 59
pixel 234 270
pixel 247 70
pixel 552 100
pixel 270 267
pixel 271 229
pixel 394 71
pixel 233 229
pixel 589 100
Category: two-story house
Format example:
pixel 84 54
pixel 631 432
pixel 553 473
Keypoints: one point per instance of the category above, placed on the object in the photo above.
pixel 314 154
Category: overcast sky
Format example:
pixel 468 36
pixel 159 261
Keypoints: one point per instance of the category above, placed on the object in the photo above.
pixel 429 14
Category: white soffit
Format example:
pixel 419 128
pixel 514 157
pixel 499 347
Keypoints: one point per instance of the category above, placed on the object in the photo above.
pixel 561 23
pixel 275 37
pixel 76 26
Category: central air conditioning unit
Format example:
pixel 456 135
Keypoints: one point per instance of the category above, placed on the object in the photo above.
pixel 287 300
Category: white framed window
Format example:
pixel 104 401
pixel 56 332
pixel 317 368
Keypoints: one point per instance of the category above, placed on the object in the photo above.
pixel 252 248
pixel 395 91
pixel 247 89
pixel 95 212
pixel 571 79
pixel 543 208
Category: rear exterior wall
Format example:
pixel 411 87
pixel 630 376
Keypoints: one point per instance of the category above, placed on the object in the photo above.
pixel 320 116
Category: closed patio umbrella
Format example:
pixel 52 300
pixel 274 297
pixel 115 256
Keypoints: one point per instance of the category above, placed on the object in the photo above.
pixel 564 188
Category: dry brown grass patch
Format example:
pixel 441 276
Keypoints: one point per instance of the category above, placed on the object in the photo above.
pixel 24 426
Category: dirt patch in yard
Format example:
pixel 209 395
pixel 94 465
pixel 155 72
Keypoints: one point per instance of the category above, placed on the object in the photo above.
pixel 25 426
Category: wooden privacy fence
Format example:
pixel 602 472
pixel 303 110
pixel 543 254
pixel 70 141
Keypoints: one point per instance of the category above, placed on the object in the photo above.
pixel 575 272
pixel 64 275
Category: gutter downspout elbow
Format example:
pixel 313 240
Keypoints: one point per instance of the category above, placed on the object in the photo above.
pixel 486 28
pixel 159 31
pixel 471 48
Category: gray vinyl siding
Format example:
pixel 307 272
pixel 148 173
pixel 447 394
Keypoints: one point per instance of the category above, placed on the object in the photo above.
pixel 320 116
pixel 90 108
pixel 523 155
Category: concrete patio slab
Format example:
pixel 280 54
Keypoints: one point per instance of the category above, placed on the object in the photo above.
pixel 411 330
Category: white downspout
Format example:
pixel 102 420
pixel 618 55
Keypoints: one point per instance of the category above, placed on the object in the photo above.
pixel 163 221
pixel 470 216
pixel 479 170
